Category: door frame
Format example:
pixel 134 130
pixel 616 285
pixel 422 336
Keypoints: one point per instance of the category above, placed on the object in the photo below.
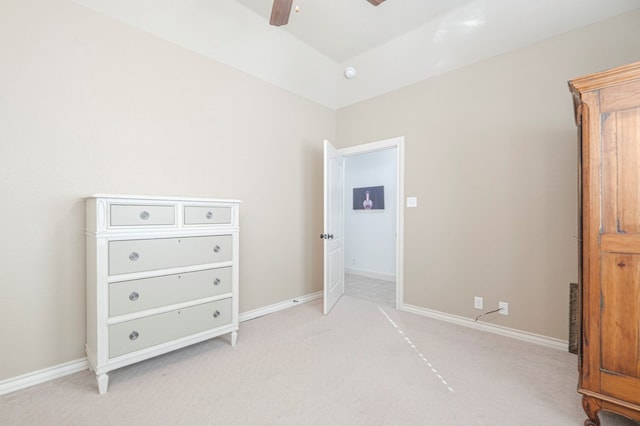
pixel 398 144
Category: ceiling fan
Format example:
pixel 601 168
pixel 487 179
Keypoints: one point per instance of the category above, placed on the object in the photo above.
pixel 282 9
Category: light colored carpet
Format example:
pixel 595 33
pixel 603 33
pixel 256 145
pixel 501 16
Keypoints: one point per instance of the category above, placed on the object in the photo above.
pixel 364 364
pixel 378 291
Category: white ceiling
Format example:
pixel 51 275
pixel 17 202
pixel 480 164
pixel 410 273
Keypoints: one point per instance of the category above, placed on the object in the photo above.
pixel 393 45
pixel 342 29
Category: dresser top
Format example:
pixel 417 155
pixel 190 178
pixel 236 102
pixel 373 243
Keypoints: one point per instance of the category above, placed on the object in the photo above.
pixel 159 198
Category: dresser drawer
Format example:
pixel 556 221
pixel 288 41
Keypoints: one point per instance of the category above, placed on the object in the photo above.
pixel 140 215
pixel 199 215
pixel 137 295
pixel 147 255
pixel 145 332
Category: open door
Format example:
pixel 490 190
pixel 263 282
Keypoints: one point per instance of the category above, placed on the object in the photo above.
pixel 333 235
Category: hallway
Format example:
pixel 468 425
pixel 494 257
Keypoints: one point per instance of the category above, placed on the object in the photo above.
pixel 377 291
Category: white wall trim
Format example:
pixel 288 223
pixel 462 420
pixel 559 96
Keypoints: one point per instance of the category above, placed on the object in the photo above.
pixel 398 143
pixel 71 367
pixel 370 274
pixel 265 310
pixel 538 339
pixel 41 376
pixel 37 377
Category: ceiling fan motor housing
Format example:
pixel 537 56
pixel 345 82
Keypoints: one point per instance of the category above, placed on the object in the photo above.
pixel 282 9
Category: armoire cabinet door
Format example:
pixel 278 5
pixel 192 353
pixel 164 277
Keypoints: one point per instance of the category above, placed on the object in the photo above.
pixel 620 246
pixel 620 365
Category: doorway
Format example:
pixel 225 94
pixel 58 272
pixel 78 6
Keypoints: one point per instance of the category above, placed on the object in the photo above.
pixel 374 236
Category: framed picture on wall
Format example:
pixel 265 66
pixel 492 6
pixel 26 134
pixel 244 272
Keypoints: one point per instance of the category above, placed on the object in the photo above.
pixel 368 198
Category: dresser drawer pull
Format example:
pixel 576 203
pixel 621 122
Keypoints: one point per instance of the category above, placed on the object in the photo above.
pixel 209 215
pixel 217 248
pixel 217 281
pixel 216 314
pixel 134 256
pixel 144 215
pixel 134 296
pixel 134 335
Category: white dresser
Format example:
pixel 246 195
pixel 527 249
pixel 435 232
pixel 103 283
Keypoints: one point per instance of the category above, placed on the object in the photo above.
pixel 162 273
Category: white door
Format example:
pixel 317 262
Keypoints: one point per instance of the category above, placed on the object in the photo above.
pixel 333 235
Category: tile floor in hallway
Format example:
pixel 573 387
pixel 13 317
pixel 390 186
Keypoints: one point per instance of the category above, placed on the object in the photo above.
pixel 377 291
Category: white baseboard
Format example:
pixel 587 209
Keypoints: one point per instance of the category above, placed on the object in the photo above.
pixel 538 339
pixel 265 310
pixel 41 376
pixel 71 367
pixel 37 377
pixel 370 274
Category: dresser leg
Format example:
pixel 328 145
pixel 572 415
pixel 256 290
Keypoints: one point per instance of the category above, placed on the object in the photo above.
pixel 103 383
pixel 591 407
pixel 234 338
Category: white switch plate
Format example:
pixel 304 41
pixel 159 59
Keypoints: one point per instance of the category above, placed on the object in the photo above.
pixel 412 201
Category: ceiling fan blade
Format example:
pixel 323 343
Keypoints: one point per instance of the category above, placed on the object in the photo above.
pixel 280 12
pixel 375 2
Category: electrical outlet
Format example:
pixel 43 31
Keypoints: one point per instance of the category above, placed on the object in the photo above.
pixel 477 302
pixel 504 308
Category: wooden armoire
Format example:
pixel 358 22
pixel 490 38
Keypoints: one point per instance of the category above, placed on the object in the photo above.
pixel 607 107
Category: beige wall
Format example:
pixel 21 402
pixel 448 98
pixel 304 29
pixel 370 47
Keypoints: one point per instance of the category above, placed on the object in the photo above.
pixel 491 156
pixel 90 105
